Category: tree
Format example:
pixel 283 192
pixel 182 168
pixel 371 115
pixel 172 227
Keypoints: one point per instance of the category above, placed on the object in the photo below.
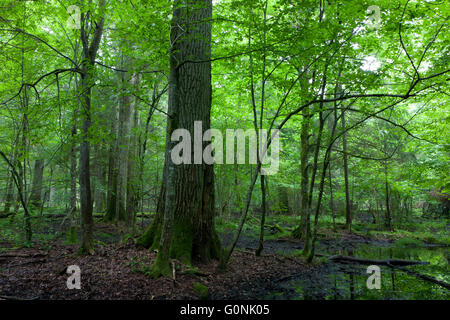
pixel 89 53
pixel 185 227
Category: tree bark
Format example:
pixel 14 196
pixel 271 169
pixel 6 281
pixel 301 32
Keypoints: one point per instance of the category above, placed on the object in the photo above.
pixel 9 196
pixel 186 230
pixel 301 231
pixel 87 81
pixel 132 167
pixel 263 216
pixel 348 208
pixel 387 217
pixel 36 189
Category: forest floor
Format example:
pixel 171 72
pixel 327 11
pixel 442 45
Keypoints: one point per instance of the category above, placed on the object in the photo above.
pixel 119 270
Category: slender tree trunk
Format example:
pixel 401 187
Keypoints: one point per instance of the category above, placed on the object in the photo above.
pixel 387 218
pixel 112 167
pixel 73 169
pixel 301 231
pixel 331 196
pixel 348 208
pixel 263 216
pixel 87 81
pixel 132 167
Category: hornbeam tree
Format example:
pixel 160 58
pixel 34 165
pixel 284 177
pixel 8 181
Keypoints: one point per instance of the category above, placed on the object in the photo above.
pixel 90 49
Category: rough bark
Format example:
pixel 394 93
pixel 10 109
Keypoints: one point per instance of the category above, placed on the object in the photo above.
pixel 186 230
pixel 36 189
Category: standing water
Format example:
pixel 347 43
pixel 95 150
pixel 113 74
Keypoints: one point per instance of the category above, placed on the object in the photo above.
pixel 337 281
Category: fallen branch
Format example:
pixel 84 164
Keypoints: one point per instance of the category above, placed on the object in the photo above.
pixel 389 262
pixel 16 298
pixel 28 262
pixel 22 255
pixel 274 228
pixel 424 277
pixel 6 215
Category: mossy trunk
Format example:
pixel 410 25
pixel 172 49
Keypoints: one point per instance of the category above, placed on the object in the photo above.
pixel 184 224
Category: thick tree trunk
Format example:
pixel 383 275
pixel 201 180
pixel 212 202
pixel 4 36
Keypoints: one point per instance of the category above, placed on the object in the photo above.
pixel 186 231
pixel 36 189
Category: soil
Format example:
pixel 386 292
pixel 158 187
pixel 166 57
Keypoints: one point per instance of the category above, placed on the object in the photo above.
pixel 121 271
pixel 118 272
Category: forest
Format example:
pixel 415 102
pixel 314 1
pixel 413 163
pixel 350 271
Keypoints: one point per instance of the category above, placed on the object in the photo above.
pixel 224 150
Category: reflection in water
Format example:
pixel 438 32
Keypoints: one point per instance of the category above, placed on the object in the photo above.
pixel 348 281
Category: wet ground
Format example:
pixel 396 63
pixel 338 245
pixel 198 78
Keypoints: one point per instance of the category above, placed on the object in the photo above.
pixel 332 280
pixel 274 276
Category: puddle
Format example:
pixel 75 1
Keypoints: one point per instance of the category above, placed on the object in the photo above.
pixel 335 281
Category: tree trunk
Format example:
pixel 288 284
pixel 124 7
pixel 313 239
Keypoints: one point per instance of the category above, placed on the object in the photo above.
pixel 99 192
pixel 87 81
pixel 348 208
pixel 36 189
pixel 300 232
pixel 387 217
pixel 186 231
pixel 73 169
pixel 132 177
pixel 9 192
pixel 263 216
pixel 112 167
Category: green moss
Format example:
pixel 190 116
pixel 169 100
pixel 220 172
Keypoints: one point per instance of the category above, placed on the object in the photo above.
pixel 201 290
pixel 296 233
pixel 72 235
pixel 161 267
pixel 110 214
pixel 182 239
pixel 150 236
pixel 407 242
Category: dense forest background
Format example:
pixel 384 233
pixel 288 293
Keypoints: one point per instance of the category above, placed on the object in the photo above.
pixel 90 91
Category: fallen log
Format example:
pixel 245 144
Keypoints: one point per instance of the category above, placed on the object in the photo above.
pixel 22 255
pixel 28 262
pixel 6 215
pixel 389 262
pixel 17 298
pixel 274 228
pixel 423 277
